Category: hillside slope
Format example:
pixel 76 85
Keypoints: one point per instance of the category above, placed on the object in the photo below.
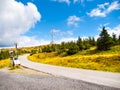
pixel 88 59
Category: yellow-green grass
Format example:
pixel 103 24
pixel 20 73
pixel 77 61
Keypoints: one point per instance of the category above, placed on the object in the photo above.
pixel 105 61
pixel 4 63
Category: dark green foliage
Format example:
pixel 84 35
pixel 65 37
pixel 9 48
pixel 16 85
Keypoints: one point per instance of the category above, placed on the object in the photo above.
pixel 4 54
pixel 104 42
pixel 72 48
pixel 62 48
pixel 46 49
pixel 86 44
pixel 68 48
pixel 80 44
pixel 119 40
pixel 114 39
pixel 33 52
pixel 49 48
pixel 92 41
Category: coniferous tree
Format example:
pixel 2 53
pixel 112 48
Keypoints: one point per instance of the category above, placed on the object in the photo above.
pixel 119 40
pixel 92 41
pixel 72 48
pixel 86 44
pixel 80 43
pixel 114 39
pixel 104 41
pixel 62 48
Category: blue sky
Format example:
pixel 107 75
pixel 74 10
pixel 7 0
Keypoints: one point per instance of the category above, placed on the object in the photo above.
pixel 67 18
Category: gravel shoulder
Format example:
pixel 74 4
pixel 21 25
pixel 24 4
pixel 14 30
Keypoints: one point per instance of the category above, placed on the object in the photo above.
pixel 22 70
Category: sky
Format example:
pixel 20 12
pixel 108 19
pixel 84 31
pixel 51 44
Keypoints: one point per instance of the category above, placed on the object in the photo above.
pixel 31 22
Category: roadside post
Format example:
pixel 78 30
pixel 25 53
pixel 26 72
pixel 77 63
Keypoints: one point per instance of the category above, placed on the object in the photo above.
pixel 12 57
pixel 16 61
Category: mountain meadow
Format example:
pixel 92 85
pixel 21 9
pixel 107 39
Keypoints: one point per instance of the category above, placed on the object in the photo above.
pixel 102 54
pixel 87 59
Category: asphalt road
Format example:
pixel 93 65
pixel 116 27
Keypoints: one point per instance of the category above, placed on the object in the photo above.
pixel 91 76
pixel 10 81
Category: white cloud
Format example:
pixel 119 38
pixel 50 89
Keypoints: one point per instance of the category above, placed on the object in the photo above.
pixel 73 20
pixel 102 6
pixel 115 30
pixel 78 1
pixel 70 33
pixel 114 6
pixel 62 1
pixel 81 1
pixel 44 42
pixel 27 41
pixel 60 33
pixel 55 30
pixel 103 9
pixel 67 40
pixel 15 20
pixel 101 26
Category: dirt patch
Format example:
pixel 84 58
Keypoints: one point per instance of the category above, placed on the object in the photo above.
pixel 22 70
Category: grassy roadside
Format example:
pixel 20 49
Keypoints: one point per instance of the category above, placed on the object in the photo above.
pixel 89 59
pixel 4 63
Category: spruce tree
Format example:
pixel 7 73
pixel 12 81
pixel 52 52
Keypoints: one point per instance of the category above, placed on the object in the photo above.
pixel 72 48
pixel 104 41
pixel 119 40
pixel 86 44
pixel 80 43
pixel 92 41
pixel 114 39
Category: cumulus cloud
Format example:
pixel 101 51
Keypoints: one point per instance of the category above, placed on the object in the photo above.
pixel 73 20
pixel 62 1
pixel 15 20
pixel 115 30
pixel 67 39
pixel 60 33
pixel 103 9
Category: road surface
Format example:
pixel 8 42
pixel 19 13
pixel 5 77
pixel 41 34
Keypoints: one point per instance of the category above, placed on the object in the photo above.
pixel 12 81
pixel 91 76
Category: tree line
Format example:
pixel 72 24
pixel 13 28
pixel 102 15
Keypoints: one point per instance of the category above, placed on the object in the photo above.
pixel 104 42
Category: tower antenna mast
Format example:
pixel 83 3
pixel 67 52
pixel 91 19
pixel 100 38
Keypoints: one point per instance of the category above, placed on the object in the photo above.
pixel 52 37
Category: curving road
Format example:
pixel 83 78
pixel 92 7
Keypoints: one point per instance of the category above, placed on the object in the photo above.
pixel 62 78
pixel 91 76
pixel 9 81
